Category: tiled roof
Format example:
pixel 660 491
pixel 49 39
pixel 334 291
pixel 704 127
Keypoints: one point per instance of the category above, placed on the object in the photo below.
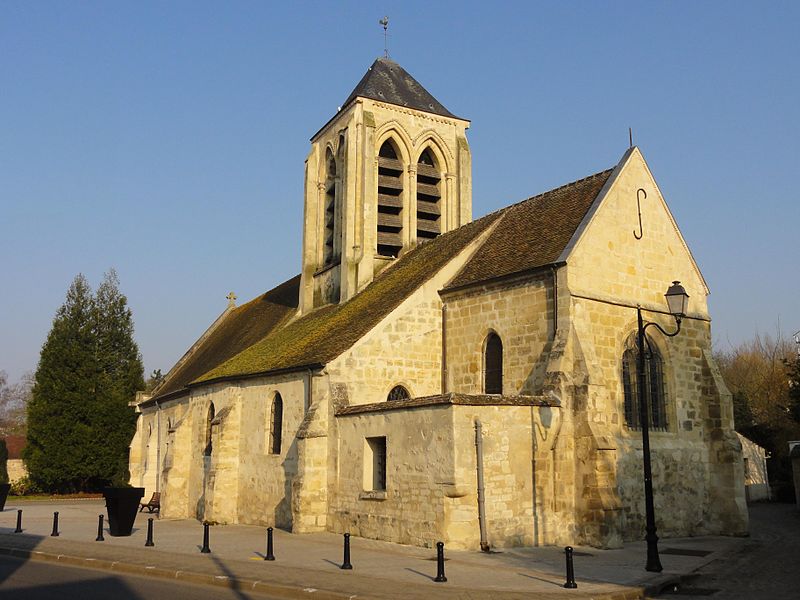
pixel 387 81
pixel 532 233
pixel 259 337
pixel 448 399
pixel 324 334
pixel 240 329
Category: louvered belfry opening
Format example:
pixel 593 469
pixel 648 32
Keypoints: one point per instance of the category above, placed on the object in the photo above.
pixel 429 195
pixel 330 211
pixel 390 201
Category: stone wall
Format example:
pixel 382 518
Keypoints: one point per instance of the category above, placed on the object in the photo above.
pixel 521 314
pixel 16 469
pixel 756 480
pixel 405 348
pixel 354 137
pixel 241 481
pixel 696 462
pixel 419 475
pixel 518 496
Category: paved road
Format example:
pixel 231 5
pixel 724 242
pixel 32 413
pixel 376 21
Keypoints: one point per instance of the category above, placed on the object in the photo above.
pixel 765 567
pixel 32 580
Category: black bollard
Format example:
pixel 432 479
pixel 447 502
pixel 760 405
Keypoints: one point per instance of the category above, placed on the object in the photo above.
pixel 570 584
pixel 346 564
pixel 19 522
pixel 269 555
pixel 149 541
pixel 440 562
pixel 55 525
pixel 100 537
pixel 205 549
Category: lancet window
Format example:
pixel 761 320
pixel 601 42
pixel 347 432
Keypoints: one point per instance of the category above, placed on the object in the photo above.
pixel 429 185
pixel 332 250
pixel 493 365
pixel 276 425
pixel 390 200
pixel 655 390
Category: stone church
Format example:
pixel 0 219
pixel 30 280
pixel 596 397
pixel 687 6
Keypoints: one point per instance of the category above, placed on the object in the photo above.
pixel 421 354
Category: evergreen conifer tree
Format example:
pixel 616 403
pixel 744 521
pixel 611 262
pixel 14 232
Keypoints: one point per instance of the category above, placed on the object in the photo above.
pixel 120 375
pixel 79 421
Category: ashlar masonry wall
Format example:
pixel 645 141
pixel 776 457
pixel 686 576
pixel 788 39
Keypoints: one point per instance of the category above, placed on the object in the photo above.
pixel 419 475
pixel 697 469
pixel 521 314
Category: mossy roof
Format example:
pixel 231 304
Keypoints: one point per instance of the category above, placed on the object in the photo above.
pixel 534 232
pixel 322 335
pixel 260 337
pixel 239 329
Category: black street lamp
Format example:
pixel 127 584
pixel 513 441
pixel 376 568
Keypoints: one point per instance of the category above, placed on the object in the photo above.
pixel 677 301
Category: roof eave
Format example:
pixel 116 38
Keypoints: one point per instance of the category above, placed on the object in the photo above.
pixel 503 278
pixel 241 376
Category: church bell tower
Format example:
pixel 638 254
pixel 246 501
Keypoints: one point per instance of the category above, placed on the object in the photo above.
pixel 391 170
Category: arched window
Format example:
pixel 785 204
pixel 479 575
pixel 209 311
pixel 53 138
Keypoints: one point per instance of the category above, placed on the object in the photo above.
pixel 276 425
pixel 331 250
pixel 493 365
pixel 429 194
pixel 390 200
pixel 209 419
pixel 655 391
pixel 398 392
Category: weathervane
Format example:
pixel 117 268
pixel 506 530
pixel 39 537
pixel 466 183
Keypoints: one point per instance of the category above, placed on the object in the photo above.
pixel 385 22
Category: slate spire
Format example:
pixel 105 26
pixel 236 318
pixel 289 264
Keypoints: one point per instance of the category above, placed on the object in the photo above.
pixel 386 81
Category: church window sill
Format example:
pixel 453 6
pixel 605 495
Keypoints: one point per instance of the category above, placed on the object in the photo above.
pixel 372 495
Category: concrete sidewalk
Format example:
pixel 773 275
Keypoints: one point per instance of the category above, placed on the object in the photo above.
pixel 308 565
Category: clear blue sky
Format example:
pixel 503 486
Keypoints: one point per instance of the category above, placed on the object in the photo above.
pixel 167 139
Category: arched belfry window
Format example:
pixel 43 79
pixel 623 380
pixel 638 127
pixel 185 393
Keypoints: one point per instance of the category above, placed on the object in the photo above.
pixel 655 390
pixel 398 392
pixel 493 365
pixel 390 200
pixel 331 250
pixel 276 425
pixel 429 194
pixel 209 420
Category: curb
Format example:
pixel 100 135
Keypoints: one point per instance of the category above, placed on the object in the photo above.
pixel 236 583
pixel 274 589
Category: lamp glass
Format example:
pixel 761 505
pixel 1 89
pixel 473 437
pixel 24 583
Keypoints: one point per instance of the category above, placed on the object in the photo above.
pixel 677 299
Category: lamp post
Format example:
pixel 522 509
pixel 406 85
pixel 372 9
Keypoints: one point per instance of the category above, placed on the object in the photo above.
pixel 677 301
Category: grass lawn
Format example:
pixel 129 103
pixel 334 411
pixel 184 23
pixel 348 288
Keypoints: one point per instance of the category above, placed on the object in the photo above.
pixel 54 497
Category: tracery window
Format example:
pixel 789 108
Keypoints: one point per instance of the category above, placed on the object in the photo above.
pixel 398 392
pixel 655 390
pixel 276 425
pixel 390 200
pixel 493 365
pixel 429 194
pixel 209 418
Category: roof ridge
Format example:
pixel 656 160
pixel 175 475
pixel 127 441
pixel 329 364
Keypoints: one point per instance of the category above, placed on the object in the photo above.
pixel 555 189
pixel 387 81
pixel 533 232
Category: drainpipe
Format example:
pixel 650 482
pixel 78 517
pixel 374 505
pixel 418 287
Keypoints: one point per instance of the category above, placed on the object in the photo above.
pixel 444 348
pixel 481 498
pixel 309 397
pixel 554 272
pixel 158 446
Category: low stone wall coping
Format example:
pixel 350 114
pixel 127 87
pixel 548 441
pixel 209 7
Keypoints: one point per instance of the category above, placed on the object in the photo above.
pixel 448 400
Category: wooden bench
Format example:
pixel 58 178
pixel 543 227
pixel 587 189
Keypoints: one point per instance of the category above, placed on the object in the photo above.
pixel 154 505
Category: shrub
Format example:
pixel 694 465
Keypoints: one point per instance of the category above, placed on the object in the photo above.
pixel 24 487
